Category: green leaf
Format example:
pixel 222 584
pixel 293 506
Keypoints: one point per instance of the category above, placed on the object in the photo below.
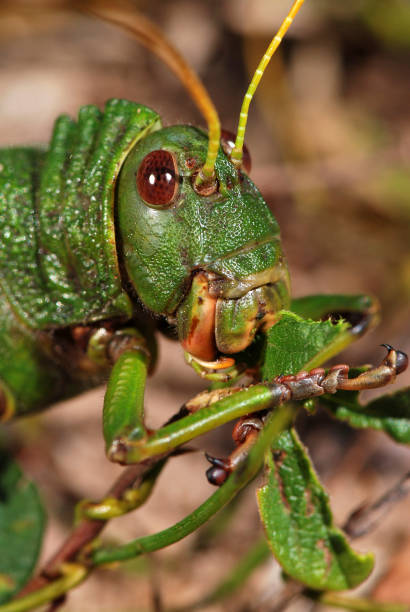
pixel 294 344
pixel 299 525
pixel 388 413
pixel 320 307
pixel 21 528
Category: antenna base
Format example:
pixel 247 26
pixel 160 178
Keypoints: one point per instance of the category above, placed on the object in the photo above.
pixel 204 185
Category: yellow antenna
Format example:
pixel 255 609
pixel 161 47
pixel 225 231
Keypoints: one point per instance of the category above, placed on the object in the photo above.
pixel 124 14
pixel 236 155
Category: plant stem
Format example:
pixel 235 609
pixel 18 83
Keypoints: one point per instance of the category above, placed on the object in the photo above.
pixel 74 574
pixel 44 588
pixel 279 420
pixel 359 604
pixel 218 525
pixel 84 532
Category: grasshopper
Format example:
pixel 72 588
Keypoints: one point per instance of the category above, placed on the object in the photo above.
pixel 121 226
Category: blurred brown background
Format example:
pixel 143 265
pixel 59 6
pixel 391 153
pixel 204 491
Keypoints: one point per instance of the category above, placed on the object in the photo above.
pixel 329 135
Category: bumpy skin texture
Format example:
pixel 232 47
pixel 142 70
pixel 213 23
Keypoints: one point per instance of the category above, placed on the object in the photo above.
pixel 231 233
pixel 58 257
pixel 28 373
pixel 73 237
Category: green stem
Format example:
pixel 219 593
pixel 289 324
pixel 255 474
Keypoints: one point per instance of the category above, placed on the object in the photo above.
pixel 218 525
pixel 131 499
pixel 358 604
pixel 74 574
pixel 279 420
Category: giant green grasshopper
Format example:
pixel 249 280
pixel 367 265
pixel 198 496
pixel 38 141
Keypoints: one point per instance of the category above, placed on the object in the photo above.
pixel 121 226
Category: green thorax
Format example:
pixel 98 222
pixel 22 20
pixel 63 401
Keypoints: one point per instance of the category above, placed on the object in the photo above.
pixel 58 258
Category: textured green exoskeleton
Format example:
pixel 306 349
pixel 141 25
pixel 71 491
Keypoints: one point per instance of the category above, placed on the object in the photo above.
pixel 59 263
pixel 88 267
pixel 120 225
pixel 121 228
pixel 80 249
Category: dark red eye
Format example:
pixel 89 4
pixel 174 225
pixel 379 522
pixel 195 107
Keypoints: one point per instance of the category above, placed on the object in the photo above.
pixel 157 178
pixel 228 143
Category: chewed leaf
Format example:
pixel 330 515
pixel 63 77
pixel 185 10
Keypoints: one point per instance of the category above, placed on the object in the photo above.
pixel 388 413
pixel 294 344
pixel 361 311
pixel 299 525
pixel 21 528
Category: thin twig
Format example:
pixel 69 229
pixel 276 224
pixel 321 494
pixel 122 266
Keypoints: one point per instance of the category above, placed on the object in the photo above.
pixel 87 530
pixel 366 518
pixel 52 582
pixel 57 603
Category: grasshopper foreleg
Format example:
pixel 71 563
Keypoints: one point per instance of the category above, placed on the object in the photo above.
pixel 211 409
pixel 126 351
pixel 303 386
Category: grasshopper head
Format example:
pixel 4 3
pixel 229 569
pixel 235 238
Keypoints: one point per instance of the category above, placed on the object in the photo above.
pixel 212 262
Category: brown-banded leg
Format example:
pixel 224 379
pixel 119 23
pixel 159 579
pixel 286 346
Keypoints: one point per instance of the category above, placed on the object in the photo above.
pixel 244 434
pixel 394 363
pixel 303 386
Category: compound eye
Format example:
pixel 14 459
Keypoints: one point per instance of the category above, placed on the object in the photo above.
pixel 157 178
pixel 228 143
